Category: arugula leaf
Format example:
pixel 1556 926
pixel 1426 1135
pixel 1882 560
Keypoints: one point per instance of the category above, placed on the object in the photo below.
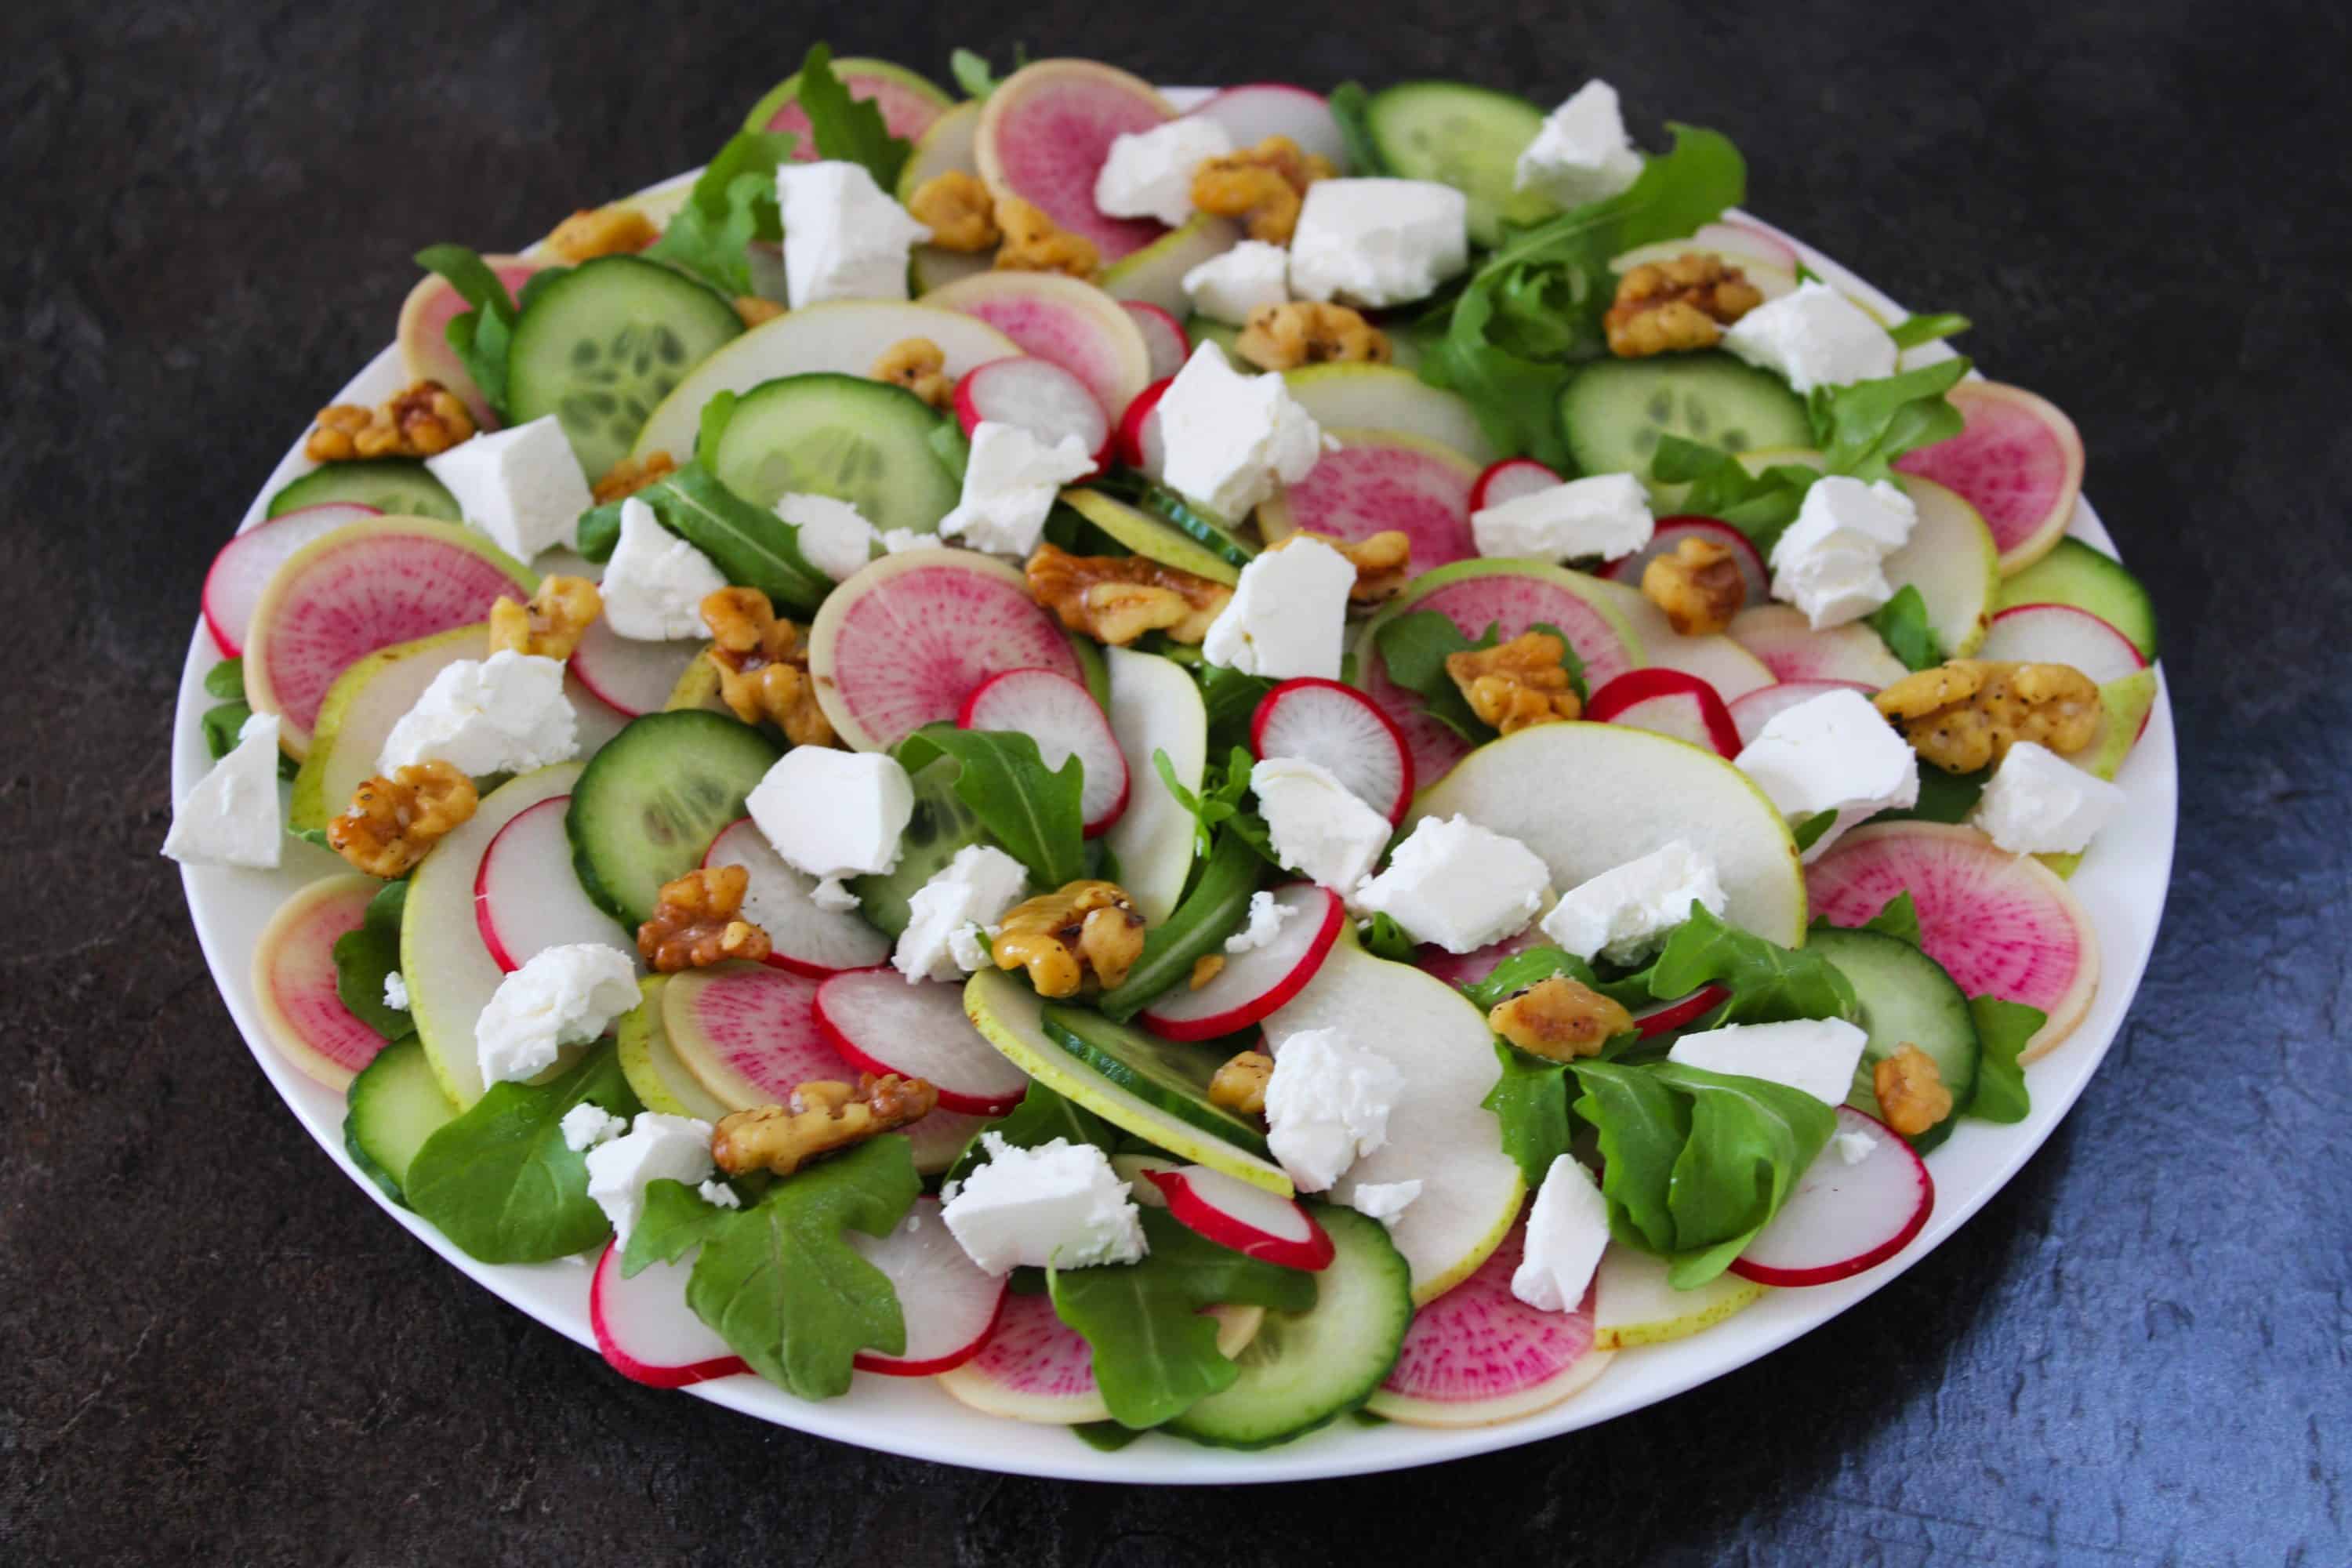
pixel 1213 910
pixel 1769 983
pixel 1570 659
pixel 1899 918
pixel 777 1278
pixel 1351 107
pixel 733 204
pixel 1031 811
pixel 754 547
pixel 1109 1436
pixel 1642 1125
pixel 500 1183
pixel 365 955
pixel 2003 1029
pixel 1760 505
pixel 1041 1116
pixel 1913 331
pixel 225 680
pixel 972 71
pixel 1902 624
pixel 1383 938
pixel 1808 833
pixel 1531 1100
pixel 851 129
pixel 1944 797
pixel 1863 428
pixel 221 724
pixel 480 336
pixel 1232 699
pixel 1414 649
pixel 1219 803
pixel 1521 970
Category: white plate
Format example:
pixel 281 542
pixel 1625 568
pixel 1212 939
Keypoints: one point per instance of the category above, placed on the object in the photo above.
pixel 2122 882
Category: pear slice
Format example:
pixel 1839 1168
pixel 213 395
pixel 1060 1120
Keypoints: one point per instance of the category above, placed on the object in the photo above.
pixel 1633 1304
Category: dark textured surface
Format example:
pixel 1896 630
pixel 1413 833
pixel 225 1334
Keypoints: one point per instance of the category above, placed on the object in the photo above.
pixel 212 1349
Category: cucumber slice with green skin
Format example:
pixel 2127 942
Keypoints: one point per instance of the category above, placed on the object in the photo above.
pixel 1211 912
pixel 397 487
pixel 864 442
pixel 600 346
pixel 396 1103
pixel 1615 410
pixel 1307 1368
pixel 1153 537
pixel 1907 999
pixel 1466 137
pixel 2089 579
pixel 1205 529
pixel 646 807
pixel 1171 1075
pixel 941 826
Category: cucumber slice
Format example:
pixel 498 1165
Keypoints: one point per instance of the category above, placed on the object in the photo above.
pixel 941 826
pixel 1168 1074
pixel 601 345
pixel 397 487
pixel 864 442
pixel 646 807
pixel 1467 137
pixel 1907 999
pixel 1615 410
pixel 396 1103
pixel 1151 538
pixel 1203 528
pixel 1306 1369
pixel 2075 574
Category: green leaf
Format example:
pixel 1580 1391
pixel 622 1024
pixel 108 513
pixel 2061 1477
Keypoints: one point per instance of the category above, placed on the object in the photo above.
pixel 972 71
pixel 1213 910
pixel 220 726
pixel 1231 698
pixel 1769 983
pixel 733 204
pixel 479 336
pixel 1944 797
pixel 1569 658
pixel 1913 331
pixel 499 1182
pixel 754 547
pixel 225 680
pixel 1351 107
pixel 1902 624
pixel 1899 918
pixel 1808 833
pixel 1521 970
pixel 1642 1125
pixel 365 955
pixel 1760 505
pixel 1413 648
pixel 848 128
pixel 1531 1100
pixel 1863 428
pixel 711 427
pixel 1383 938
pixel 1109 1436
pixel 1032 813
pixel 2003 1030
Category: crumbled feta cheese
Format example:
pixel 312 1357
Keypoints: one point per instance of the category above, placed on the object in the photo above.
pixel 1327 1106
pixel 1459 884
pixel 1830 562
pixel 1607 515
pixel 522 487
pixel 1624 914
pixel 974 888
pixel 1288 615
pixel 898 541
pixel 834 813
pixel 1814 337
pixel 1817 1055
pixel 1378 242
pixel 654 584
pixel 1231 439
pixel 503 714
pixel 832 536
pixel 1853 1148
pixel 233 816
pixel 844 238
pixel 2038 803
pixel 1266 918
pixel 1383 1201
pixel 1059 1204
pixel 1228 286
pixel 964 947
pixel 585 1125
pixel 719 1194
pixel 833 896
pixel 1583 153
pixel 565 996
pixel 1567 1230
pixel 1319 829
pixel 1009 486
pixel 395 990
pixel 1832 752
pixel 657 1148
pixel 1149 173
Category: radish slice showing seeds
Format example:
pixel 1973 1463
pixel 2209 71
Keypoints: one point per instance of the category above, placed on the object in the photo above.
pixel 881 1024
pixel 1751 713
pixel 1061 716
pixel 645 1330
pixel 629 677
pixel 246 563
pixel 1844 1217
pixel 1339 728
pixel 1254 983
pixel 527 898
pixel 1250 1220
pixel 1037 395
pixel 1508 480
pixel 1163 335
pixel 1669 538
pixel 1667 702
pixel 802 936
pixel 950 1305
pixel 1138 445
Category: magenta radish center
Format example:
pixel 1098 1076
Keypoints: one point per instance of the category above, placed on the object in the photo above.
pixel 911 647
pixel 1784 643
pixel 301 980
pixel 777 899
pixel 906 112
pixel 1059 334
pixel 2007 462
pixel 1366 488
pixel 1033 1354
pixel 240 574
pixel 756 1024
pixel 917 1031
pixel 942 1135
pixel 1479 1342
pixel 1051 144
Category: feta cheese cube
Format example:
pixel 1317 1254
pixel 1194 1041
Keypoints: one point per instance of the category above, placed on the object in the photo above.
pixel 1288 616
pixel 565 996
pixel 1815 1054
pixel 1814 337
pixel 843 239
pixel 1832 752
pixel 655 582
pixel 1327 1106
pixel 1058 1205
pixel 1583 153
pixel 1624 914
pixel 719 1195
pixel 834 813
pixel 1231 439
pixel 1853 1148
pixel 1459 884
pixel 233 816
pixel 1149 173
pixel 2038 803
pixel 585 1125
pixel 1319 829
pixel 503 714
pixel 1009 486
pixel 832 534
pixel 974 888
pixel 1567 1230
pixel 657 1148
pixel 1383 1201
pixel 395 990
pixel 1830 562
pixel 1227 287
pixel 1376 242
pixel 522 487
pixel 1606 515
pixel 1266 918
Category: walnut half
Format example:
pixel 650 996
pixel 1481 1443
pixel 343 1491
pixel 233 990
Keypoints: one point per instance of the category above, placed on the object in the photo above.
pixel 1697 584
pixel 392 822
pixel 1516 684
pixel 423 419
pixel 821 1117
pixel 763 665
pixel 1677 305
pixel 552 624
pixel 699 922
pixel 1966 713
pixel 1240 1084
pixel 1285 336
pixel 1117 598
pixel 1559 1019
pixel 1061 936
pixel 1910 1090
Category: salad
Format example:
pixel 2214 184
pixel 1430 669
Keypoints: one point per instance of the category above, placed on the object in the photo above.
pixel 1318 759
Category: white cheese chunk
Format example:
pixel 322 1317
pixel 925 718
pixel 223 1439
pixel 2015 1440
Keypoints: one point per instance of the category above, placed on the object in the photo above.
pixel 585 1125
pixel 654 584
pixel 1383 1201
pixel 395 990
pixel 834 813
pixel 1817 1055
pixel 565 996
pixel 1228 286
pixel 1583 153
pixel 1607 515
pixel 233 816
pixel 1288 615
pixel 522 487
pixel 1327 1106
pixel 1567 1230
pixel 1853 1148
pixel 898 541
pixel 965 949
pixel 1814 337
pixel 1058 1205
pixel 1459 884
pixel 1830 562
pixel 1231 439
pixel 719 1195
pixel 2038 803
pixel 1624 914
pixel 843 239
pixel 657 1148
pixel 974 888
pixel 1319 829
pixel 1832 752
pixel 503 714
pixel 1377 243
pixel 1009 486
pixel 1266 918
pixel 1149 173
pixel 833 536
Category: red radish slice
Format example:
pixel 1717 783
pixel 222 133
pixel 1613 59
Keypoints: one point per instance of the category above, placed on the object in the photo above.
pixel 1036 394
pixel 2017 459
pixel 1046 133
pixel 242 570
pixel 779 900
pixel 1379 480
pixel 1668 1016
pixel 1841 1219
pixel 1250 1220
pixel 629 677
pixel 1163 335
pixel 1792 650
pixel 1461 969
pixel 749 1033
pixel 1508 480
pixel 1256 110
pixel 1670 534
pixel 1667 702
pixel 1254 983
pixel 424 332
pixel 2000 924
pixel 646 1332
pixel 949 1304
pixel 294 980
pixel 941 1139
pixel 1751 713
pixel 1072 324
pixel 1036 1367
pixel 2060 634
pixel 1138 443
pixel 1061 716
pixel 1342 728
pixel 1748 238
pixel 880 1024
pixel 526 897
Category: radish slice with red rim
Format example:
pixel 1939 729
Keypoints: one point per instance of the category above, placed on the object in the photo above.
pixel 1667 702
pixel 1037 395
pixel 1751 713
pixel 1508 480
pixel 1339 728
pixel 527 898
pixel 629 677
pixel 1669 538
pixel 1062 717
pixel 1249 1220
pixel 1668 1016
pixel 881 1024
pixel 1843 1215
pixel 645 1330
pixel 1256 110
pixel 950 1305
pixel 1163 335
pixel 1138 445
pixel 246 563
pixel 802 936
pixel 1253 983
pixel 2062 634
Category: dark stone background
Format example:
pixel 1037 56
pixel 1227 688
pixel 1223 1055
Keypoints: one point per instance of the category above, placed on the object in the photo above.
pixel 213 1349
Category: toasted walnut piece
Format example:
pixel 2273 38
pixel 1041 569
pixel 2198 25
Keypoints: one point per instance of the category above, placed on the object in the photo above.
pixel 1264 184
pixel 1383 561
pixel 1205 968
pixel 1966 713
pixel 763 665
pixel 1911 1090
pixel 1674 307
pixel 821 1117
pixel 1516 684
pixel 752 309
pixel 1558 1018
pixel 1699 585
pixel 421 420
pixel 1117 598
pixel 956 207
pixel 1033 244
pixel 918 365
pixel 698 922
pixel 550 627
pixel 630 474
pixel 1283 337
pixel 609 230
pixel 391 822
pixel 1061 936
pixel 1240 1084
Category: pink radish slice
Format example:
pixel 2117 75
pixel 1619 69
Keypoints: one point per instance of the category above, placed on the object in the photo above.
pixel 1251 985
pixel 1732 234
pixel 1061 716
pixel 1035 1367
pixel 1252 113
pixel 948 1304
pixel 629 677
pixel 1377 482
pixel 2000 924
pixel 1461 969
pixel 2017 459
pixel 1036 394
pixel 1479 1355
pixel 1508 480
pixel 1751 713
pixel 1839 1219
pixel 1670 534
pixel 1667 702
pixel 234 585
pixel 2060 634
pixel 906 112
pixel 880 1024
pixel 1342 728
pixel 1668 1016
pixel 1789 647
pixel 803 938
pixel 941 1137
pixel 646 1332
pixel 1249 1220
pixel 424 332
pixel 1138 443
pixel 1044 137
pixel 294 980
pixel 1163 335
pixel 526 897
pixel 1062 321
pixel 749 1033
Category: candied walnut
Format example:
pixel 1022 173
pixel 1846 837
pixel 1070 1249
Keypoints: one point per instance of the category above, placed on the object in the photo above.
pixel 1966 713
pixel 918 365
pixel 1383 561
pixel 1675 307
pixel 698 922
pixel 1558 1018
pixel 1117 598
pixel 1911 1090
pixel 629 476
pixel 1265 185
pixel 391 822
pixel 956 207
pixel 1205 968
pixel 752 309
pixel 762 666
pixel 1516 684
pixel 421 420
pixel 1240 1084
pixel 1283 337
pixel 592 232
pixel 552 624
pixel 821 1117
pixel 1699 585
pixel 1033 242
pixel 1061 936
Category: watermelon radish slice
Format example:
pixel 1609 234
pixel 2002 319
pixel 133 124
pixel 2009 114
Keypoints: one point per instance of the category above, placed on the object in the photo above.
pixel 1138 443
pixel 365 586
pixel 645 1329
pixel 526 897
pixel 748 1033
pixel 1852 654
pixel 1074 325
pixel 1379 480
pixel 1673 531
pixel 1254 983
pixel 1842 1218
pixel 1036 1368
pixel 1046 133
pixel 2060 634
pixel 1039 396
pixel 1510 480
pixel 880 1024
pixel 1256 110
pixel 1249 1220
pixel 1164 338
pixel 424 332
pixel 1667 702
pixel 1061 716
pixel 629 677
pixel 909 103
pixel 2017 459
pixel 906 641
pixel 949 1304
pixel 1350 394
pixel 242 570
pixel 294 980
pixel 1751 713
pixel 803 937
pixel 1478 1355
pixel 2000 924
pixel 1338 728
